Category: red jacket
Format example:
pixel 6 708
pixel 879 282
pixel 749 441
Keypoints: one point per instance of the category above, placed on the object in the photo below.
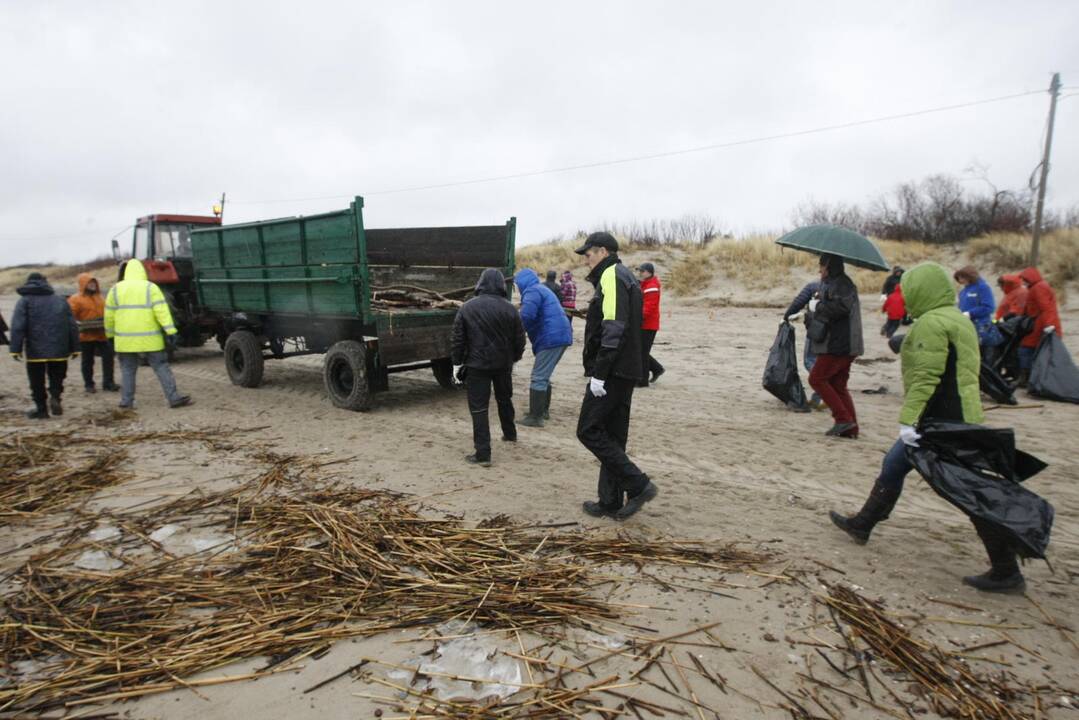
pixel 895 306
pixel 1041 305
pixel 1014 301
pixel 650 291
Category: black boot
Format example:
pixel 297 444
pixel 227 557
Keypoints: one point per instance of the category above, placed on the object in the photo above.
pixel 1004 575
pixel 55 406
pixel 39 412
pixel 534 418
pixel 1024 379
pixel 878 506
pixel 547 403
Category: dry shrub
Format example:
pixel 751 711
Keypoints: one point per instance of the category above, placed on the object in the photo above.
pixel 1010 253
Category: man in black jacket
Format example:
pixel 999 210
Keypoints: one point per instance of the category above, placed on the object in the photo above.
pixel 613 362
pixel 488 338
pixel 44 333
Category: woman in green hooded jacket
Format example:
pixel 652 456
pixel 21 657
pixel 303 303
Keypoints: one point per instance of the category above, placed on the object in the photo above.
pixel 940 361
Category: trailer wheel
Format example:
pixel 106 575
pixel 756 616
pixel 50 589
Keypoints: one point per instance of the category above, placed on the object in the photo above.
pixel 243 359
pixel 344 371
pixel 443 370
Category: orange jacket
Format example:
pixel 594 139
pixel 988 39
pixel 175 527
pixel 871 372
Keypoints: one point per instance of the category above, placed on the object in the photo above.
pixel 1014 301
pixel 1041 305
pixel 89 310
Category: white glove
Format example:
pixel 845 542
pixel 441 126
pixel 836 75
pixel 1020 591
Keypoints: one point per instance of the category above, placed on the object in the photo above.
pixel 813 304
pixel 457 374
pixel 597 387
pixel 909 435
pixel 967 313
pixel 883 298
pixel 1049 329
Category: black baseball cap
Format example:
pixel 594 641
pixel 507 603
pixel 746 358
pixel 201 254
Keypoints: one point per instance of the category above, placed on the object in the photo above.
pixel 647 267
pixel 598 239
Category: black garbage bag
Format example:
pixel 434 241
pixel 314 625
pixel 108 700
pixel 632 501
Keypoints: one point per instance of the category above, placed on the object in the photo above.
pixel 1053 375
pixel 1006 355
pixel 979 470
pixel 781 371
pixel 995 386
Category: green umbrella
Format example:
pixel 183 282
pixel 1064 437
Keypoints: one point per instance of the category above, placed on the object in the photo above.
pixel 834 240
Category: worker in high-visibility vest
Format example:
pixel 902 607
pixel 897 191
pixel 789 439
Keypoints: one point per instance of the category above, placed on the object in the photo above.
pixel 138 321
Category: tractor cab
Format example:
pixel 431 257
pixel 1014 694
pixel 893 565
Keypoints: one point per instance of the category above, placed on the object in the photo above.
pixel 163 244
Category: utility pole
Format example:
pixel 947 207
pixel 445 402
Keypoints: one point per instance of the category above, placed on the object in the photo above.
pixel 219 207
pixel 1054 91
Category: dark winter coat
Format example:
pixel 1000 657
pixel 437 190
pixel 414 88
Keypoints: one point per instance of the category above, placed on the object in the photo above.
pixel 802 299
pixel 487 332
pixel 554 288
pixel 612 331
pixel 541 313
pixel 3 331
pixel 890 284
pixel 841 312
pixel 42 327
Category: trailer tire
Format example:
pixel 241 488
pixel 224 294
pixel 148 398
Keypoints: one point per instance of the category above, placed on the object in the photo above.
pixel 443 370
pixel 243 359
pixel 345 374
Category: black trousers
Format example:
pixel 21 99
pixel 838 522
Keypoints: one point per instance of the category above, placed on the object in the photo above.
pixel 102 348
pixel 651 366
pixel 55 371
pixel 478 384
pixel 603 428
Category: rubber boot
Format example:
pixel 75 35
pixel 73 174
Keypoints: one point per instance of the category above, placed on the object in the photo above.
pixel 1004 575
pixel 40 412
pixel 55 406
pixel 547 403
pixel 534 418
pixel 878 506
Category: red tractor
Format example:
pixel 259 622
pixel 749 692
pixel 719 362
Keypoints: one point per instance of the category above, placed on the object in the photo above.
pixel 163 244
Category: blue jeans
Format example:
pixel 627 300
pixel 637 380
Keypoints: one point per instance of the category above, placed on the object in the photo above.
pixel 894 467
pixel 1026 357
pixel 543 367
pixel 159 363
pixel 808 358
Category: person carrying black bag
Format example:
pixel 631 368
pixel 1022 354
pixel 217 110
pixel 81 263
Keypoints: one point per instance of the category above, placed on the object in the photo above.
pixel 488 338
pixel 613 361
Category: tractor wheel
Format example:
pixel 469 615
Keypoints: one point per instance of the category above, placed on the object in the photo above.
pixel 345 374
pixel 443 370
pixel 243 359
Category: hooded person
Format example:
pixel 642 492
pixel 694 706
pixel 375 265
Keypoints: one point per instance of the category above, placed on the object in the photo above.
pixel 488 338
pixel 612 362
pixel 834 328
pixel 138 321
pixel 940 366
pixel 1041 307
pixel 1014 301
pixel 88 308
pixel 44 333
pixel 548 328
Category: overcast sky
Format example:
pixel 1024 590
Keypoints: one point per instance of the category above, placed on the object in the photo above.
pixel 111 110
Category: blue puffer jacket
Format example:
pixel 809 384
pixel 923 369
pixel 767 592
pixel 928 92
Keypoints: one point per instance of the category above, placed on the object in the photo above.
pixel 977 299
pixel 43 327
pixel 544 319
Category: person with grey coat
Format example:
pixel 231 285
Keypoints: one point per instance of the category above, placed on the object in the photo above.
pixel 834 327
pixel 44 334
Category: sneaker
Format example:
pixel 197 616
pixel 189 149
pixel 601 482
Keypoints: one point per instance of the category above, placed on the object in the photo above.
pixel 475 460
pixel 636 502
pixel 843 430
pixel 126 406
pixel 55 407
pixel 987 582
pixel 182 402
pixel 598 510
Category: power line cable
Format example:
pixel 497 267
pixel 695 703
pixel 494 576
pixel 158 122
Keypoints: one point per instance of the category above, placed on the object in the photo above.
pixel 658 155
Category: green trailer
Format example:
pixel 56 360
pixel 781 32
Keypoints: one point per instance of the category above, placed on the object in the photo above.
pixel 305 285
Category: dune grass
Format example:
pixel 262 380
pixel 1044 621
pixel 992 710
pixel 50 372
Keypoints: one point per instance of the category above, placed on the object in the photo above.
pixel 1010 252
pixel 63 275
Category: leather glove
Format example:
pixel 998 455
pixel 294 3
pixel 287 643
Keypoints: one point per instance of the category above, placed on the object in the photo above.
pixel 597 387
pixel 171 341
pixel 1049 329
pixel 813 304
pixel 458 378
pixel 909 435
pixel 17 357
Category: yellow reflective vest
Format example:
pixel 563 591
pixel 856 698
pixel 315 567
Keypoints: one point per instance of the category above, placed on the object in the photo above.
pixel 136 313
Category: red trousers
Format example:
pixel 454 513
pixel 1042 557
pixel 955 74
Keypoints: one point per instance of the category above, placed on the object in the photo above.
pixel 829 379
